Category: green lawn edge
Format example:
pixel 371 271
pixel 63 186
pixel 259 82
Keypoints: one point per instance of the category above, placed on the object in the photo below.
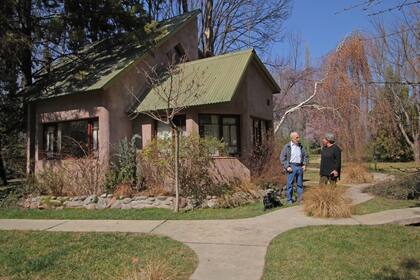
pixel 344 252
pixel 379 204
pixel 65 255
pixel 243 212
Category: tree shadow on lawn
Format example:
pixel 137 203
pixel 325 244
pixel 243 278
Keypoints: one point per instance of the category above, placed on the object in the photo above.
pixel 409 268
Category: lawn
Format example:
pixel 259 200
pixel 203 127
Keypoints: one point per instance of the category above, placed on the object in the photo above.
pixel 392 167
pixel 345 252
pixel 246 211
pixel 53 255
pixel 378 204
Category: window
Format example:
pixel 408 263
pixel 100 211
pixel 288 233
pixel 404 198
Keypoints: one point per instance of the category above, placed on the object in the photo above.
pixel 71 138
pixel 222 127
pixel 176 55
pixel 164 131
pixel 260 130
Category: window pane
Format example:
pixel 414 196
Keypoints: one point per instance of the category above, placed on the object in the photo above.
pixel 163 131
pixel 227 120
pixel 95 135
pixel 74 138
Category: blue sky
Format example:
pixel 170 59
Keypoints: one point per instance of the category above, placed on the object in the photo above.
pixel 321 28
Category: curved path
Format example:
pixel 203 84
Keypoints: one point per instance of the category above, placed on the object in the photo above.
pixel 227 249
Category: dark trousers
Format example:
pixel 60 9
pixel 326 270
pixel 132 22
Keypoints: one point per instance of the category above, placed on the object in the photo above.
pixel 324 180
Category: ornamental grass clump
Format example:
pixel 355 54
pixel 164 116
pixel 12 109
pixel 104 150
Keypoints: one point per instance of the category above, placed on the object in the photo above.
pixel 326 202
pixel 356 174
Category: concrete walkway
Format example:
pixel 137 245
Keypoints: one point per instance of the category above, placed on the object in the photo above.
pixel 227 249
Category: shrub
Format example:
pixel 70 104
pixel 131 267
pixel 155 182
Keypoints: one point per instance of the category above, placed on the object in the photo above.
pixel 84 176
pixel 356 174
pixel 404 187
pixel 157 165
pixel 327 202
pixel 74 177
pixel 264 164
pixel 241 194
pixel 51 181
pixel 123 168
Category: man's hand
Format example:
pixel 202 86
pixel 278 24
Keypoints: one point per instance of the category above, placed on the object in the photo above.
pixel 334 173
pixel 303 167
pixel 289 169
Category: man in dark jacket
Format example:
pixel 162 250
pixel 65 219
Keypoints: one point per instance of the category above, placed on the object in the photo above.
pixel 294 159
pixel 330 161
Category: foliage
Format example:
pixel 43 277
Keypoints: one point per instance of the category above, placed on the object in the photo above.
pixel 389 145
pixel 61 255
pixel 52 181
pixel 264 164
pixel 403 187
pixel 123 168
pixel 74 177
pixel 326 202
pixel 354 173
pixel 241 193
pixel 156 162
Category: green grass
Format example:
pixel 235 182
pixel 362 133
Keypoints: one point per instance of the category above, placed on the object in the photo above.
pixel 51 255
pixel 345 252
pixel 392 167
pixel 246 211
pixel 378 204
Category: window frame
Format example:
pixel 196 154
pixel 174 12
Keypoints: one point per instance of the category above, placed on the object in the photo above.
pixel 56 154
pixel 220 117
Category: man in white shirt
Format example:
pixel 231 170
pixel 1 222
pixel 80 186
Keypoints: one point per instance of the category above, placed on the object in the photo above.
pixel 294 159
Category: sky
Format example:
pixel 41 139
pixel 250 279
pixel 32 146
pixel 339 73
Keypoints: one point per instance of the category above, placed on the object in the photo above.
pixel 322 24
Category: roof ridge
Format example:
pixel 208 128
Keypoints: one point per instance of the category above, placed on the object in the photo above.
pixel 217 57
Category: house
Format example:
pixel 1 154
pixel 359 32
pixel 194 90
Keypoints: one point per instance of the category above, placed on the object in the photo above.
pixel 85 104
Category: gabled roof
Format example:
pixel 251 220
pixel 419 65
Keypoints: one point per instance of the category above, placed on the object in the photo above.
pixel 97 64
pixel 221 77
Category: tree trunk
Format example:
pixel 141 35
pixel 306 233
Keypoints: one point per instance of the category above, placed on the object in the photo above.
pixel 26 57
pixel 184 6
pixel 416 151
pixel 176 170
pixel 2 169
pixel 208 29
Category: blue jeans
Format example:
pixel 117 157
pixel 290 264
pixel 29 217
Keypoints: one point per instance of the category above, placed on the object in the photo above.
pixel 297 172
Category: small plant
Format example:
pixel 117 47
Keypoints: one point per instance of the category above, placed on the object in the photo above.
pixel 326 202
pixel 242 193
pixel 356 174
pixel 52 181
pixel 123 168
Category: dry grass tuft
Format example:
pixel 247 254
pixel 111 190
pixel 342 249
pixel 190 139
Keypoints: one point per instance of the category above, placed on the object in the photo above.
pixel 153 270
pixel 326 202
pixel 356 174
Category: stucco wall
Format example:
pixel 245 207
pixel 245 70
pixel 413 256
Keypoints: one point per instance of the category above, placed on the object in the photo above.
pixel 66 108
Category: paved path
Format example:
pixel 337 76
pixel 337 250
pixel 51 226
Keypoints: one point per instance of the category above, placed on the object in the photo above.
pixel 227 249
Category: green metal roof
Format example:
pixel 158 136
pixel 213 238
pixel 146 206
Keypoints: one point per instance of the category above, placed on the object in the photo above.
pixel 217 81
pixel 96 65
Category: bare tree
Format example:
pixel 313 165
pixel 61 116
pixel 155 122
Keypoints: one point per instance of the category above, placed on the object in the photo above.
pixel 228 25
pixel 395 50
pixel 176 87
pixel 300 89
